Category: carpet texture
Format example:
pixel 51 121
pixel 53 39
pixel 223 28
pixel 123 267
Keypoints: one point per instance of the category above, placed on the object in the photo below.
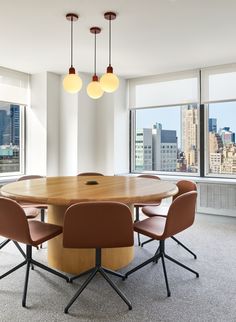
pixel 210 298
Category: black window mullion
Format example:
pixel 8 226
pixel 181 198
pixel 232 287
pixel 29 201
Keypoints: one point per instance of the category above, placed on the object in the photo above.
pixel 202 139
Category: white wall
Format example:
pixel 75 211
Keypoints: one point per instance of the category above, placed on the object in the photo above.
pixel 36 127
pixel 68 134
pixel 53 114
pixel 112 132
pixel 42 125
pixel 104 142
pixel 121 130
pixel 86 129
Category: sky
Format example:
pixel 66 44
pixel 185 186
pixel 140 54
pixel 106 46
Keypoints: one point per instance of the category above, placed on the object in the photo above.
pixel 169 117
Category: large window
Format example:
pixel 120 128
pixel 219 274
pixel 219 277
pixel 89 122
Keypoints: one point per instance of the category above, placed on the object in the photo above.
pixel 166 139
pixel 14 95
pixel 184 123
pixel 11 138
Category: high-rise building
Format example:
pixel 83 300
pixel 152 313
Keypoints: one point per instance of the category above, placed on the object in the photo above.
pixel 212 125
pixel 229 159
pixel 15 124
pixel 164 149
pixel 215 162
pixel 227 136
pixel 4 128
pixel 143 149
pixel 189 133
pixel 215 142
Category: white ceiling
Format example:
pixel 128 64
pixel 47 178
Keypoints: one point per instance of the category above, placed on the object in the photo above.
pixel 149 37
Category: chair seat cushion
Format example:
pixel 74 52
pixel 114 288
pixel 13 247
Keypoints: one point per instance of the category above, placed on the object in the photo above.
pixel 31 212
pixel 41 232
pixel 152 227
pixel 152 211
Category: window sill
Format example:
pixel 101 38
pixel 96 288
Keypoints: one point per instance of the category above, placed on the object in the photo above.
pixel 193 178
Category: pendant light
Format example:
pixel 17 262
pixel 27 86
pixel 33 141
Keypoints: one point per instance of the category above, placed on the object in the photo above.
pixel 72 83
pixel 94 89
pixel 109 81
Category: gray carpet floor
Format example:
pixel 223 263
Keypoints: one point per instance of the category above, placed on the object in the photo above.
pixel 212 297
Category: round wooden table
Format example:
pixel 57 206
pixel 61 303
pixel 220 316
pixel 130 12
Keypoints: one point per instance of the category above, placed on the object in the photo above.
pixel 60 192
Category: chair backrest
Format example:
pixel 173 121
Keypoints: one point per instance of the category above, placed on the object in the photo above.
pixel 150 176
pixel 181 214
pixel 90 174
pixel 185 186
pixel 29 177
pixel 98 225
pixel 13 222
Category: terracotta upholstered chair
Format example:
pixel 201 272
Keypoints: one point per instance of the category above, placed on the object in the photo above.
pixel 98 225
pixel 41 207
pixel 90 174
pixel 140 205
pixel 180 216
pixel 150 211
pixel 31 211
pixel 15 226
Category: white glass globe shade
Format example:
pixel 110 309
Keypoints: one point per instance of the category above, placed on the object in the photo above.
pixel 94 90
pixel 109 82
pixel 72 83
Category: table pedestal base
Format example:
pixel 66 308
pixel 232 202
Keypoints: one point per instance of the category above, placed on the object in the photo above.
pixel 75 261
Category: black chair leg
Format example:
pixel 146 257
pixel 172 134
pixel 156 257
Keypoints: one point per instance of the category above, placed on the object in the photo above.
pixel 118 291
pixel 88 280
pixel 165 274
pixel 4 243
pixel 13 269
pixel 50 270
pixel 26 284
pixel 182 265
pixel 137 219
pixel 42 215
pixel 139 241
pixel 156 253
pixel 153 258
pixel 109 271
pixel 146 242
pixel 81 274
pixel 186 248
pixel 19 248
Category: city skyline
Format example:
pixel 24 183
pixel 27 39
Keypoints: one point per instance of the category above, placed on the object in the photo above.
pixel 182 153
pixel 145 118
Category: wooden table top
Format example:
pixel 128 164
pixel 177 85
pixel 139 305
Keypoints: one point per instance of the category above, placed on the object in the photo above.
pixel 63 191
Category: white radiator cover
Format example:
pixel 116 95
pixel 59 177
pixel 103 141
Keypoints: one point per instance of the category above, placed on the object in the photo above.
pixel 217 198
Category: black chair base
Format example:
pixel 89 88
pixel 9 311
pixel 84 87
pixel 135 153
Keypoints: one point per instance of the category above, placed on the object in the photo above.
pixel 160 253
pixel 42 217
pixel 177 241
pixel 6 241
pixel 146 242
pixel 93 271
pixel 137 219
pixel 30 262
